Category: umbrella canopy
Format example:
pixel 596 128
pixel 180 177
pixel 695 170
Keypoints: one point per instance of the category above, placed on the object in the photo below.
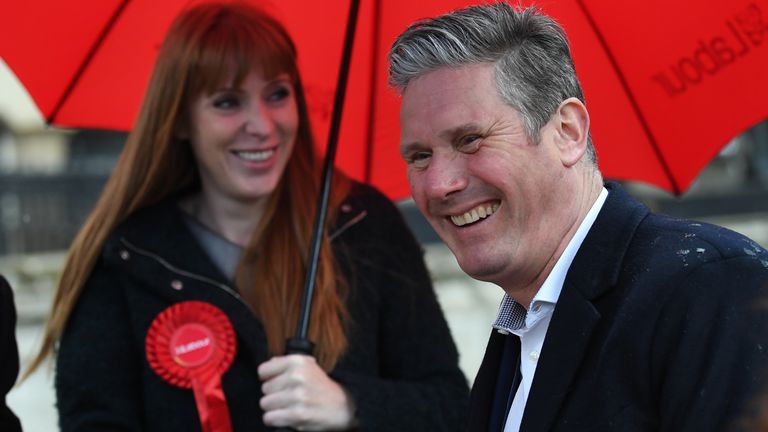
pixel 667 83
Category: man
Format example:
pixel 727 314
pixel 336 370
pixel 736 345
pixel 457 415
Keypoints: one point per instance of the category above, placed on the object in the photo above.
pixel 9 356
pixel 614 318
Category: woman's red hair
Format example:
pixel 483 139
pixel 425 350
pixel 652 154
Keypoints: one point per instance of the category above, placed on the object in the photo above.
pixel 204 47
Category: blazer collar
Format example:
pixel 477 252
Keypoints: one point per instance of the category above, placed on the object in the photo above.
pixel 598 262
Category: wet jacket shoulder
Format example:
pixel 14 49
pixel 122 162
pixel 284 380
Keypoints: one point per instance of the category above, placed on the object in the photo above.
pixel 401 368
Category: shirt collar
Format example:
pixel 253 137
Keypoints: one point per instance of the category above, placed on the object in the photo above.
pixel 512 315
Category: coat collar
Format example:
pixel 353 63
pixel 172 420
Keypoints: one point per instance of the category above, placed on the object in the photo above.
pixel 161 230
pixel 598 262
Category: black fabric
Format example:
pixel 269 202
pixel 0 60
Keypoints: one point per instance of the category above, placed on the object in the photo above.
pixel 9 355
pixel 508 380
pixel 401 368
pixel 660 326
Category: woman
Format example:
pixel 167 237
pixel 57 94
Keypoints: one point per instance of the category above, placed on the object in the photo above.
pixel 211 203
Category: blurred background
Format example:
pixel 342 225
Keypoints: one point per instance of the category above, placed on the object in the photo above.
pixel 50 179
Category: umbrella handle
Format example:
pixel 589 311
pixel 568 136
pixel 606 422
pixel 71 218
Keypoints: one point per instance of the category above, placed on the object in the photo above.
pixel 296 345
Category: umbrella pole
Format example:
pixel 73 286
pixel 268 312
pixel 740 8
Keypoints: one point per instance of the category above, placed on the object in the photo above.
pixel 299 344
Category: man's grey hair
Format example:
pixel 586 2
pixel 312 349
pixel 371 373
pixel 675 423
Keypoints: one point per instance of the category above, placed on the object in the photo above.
pixel 534 68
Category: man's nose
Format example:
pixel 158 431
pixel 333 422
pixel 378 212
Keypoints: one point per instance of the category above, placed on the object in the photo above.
pixel 259 120
pixel 445 176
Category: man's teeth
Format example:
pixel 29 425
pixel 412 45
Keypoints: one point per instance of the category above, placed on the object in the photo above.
pixel 255 155
pixel 474 215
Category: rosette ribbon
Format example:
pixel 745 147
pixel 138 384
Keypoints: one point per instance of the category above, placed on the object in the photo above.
pixel 190 345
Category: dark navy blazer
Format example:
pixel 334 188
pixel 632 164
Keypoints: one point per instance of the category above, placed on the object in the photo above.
pixel 661 326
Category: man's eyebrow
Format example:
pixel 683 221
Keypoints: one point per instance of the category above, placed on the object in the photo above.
pixel 406 148
pixel 458 131
pixel 448 135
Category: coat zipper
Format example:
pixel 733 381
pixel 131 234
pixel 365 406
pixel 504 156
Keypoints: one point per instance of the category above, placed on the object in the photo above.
pixel 184 273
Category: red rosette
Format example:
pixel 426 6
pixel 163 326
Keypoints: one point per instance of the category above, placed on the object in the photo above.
pixel 190 345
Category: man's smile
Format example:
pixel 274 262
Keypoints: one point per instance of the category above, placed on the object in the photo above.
pixel 475 214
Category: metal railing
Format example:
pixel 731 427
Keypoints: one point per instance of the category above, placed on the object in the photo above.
pixel 43 213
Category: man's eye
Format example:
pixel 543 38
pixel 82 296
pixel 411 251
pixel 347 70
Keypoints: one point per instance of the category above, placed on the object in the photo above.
pixel 470 143
pixel 418 159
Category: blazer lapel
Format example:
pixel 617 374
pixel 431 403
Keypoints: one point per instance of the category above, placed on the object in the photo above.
pixel 569 332
pixel 484 386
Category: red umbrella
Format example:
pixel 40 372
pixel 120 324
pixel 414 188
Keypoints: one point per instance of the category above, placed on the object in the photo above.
pixel 667 82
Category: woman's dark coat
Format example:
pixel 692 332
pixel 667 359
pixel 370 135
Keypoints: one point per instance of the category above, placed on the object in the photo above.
pixel 401 367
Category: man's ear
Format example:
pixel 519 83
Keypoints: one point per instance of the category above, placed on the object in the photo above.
pixel 571 130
